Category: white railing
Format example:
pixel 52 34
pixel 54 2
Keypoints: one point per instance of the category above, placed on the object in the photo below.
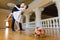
pixel 32 24
pixel 46 23
pixel 50 22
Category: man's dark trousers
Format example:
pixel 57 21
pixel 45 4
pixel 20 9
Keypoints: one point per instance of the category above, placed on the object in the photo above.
pixel 13 22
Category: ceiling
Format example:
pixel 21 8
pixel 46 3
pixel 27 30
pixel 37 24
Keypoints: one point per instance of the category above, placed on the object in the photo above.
pixel 50 10
pixel 3 3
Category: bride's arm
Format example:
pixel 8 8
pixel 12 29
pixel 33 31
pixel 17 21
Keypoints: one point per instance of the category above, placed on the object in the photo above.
pixel 20 8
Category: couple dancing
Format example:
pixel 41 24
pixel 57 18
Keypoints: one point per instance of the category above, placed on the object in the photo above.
pixel 17 13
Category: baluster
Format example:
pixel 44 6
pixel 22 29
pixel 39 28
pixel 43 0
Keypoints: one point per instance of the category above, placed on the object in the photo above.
pixel 50 24
pixel 44 24
pixel 54 23
pixel 57 23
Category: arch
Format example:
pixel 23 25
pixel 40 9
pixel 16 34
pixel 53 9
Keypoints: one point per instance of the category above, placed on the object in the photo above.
pixel 32 17
pixel 50 11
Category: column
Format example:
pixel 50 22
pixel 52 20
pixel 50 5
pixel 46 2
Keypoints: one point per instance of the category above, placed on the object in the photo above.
pixel 38 17
pixel 27 20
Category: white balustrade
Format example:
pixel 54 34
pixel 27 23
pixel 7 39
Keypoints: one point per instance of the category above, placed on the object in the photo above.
pixel 50 22
pixel 46 23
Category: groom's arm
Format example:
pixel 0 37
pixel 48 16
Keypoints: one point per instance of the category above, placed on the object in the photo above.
pixel 17 7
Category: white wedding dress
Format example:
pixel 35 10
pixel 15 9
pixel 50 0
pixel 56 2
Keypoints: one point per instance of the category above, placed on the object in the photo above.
pixel 17 14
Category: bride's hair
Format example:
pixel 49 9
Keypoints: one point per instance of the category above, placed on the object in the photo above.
pixel 27 7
